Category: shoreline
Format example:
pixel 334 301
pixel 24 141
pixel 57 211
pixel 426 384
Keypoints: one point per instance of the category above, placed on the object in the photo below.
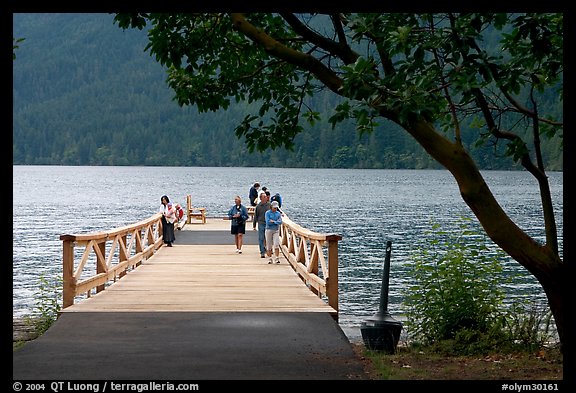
pixel 23 329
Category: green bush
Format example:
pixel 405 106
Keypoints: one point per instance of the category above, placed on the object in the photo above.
pixel 457 291
pixel 48 304
pixel 455 305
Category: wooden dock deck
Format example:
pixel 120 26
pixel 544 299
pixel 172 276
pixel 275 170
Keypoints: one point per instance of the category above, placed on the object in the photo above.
pixel 207 277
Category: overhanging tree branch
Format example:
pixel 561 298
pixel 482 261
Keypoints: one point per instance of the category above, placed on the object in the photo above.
pixel 276 49
pixel 340 49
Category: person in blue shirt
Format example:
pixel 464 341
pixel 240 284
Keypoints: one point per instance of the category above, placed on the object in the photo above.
pixel 238 214
pixel 273 222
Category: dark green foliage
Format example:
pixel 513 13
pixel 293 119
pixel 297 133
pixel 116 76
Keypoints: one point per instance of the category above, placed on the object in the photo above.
pixel 97 98
pixel 15 41
pixel 48 303
pixel 457 285
pixel 456 303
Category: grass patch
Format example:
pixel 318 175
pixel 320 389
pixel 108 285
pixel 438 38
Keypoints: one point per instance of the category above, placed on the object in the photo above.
pixel 426 364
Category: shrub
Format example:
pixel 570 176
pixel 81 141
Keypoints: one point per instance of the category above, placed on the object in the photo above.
pixel 48 304
pixel 457 291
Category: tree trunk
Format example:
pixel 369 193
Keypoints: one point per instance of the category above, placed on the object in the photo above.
pixel 540 260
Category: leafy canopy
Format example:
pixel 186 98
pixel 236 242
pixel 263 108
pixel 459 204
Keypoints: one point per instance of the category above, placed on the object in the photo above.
pixel 446 69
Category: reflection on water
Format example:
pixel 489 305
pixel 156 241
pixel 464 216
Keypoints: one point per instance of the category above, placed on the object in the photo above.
pixel 367 207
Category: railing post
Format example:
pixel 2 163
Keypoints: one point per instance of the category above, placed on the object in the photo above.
pixel 332 279
pixel 137 239
pixel 100 264
pixel 151 233
pixel 122 254
pixel 68 282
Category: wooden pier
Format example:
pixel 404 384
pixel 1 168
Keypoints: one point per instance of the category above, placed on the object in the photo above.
pixel 136 310
pixel 132 271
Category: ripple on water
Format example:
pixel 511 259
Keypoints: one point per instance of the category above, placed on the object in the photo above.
pixel 366 207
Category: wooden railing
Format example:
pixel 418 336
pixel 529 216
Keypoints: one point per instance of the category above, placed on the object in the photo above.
pixel 106 256
pixel 314 257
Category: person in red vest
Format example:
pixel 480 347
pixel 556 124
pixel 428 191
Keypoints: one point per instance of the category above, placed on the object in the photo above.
pixel 179 213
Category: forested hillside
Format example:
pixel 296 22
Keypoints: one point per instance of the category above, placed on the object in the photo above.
pixel 86 93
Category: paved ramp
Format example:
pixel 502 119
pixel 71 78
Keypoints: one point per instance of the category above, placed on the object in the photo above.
pixel 189 346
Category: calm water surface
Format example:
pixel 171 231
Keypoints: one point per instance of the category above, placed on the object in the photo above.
pixel 366 207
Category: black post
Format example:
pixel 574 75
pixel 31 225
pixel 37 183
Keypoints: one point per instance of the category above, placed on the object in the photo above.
pixel 383 309
pixel 382 331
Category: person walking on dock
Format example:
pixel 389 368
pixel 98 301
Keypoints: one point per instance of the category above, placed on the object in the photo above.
pixel 253 194
pixel 238 214
pixel 273 222
pixel 260 218
pixel 168 219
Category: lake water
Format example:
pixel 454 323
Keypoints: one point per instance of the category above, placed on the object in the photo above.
pixel 367 207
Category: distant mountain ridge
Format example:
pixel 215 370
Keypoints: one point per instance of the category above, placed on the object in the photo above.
pixel 86 93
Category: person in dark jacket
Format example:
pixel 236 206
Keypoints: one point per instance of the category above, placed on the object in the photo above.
pixel 278 198
pixel 253 194
pixel 260 218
